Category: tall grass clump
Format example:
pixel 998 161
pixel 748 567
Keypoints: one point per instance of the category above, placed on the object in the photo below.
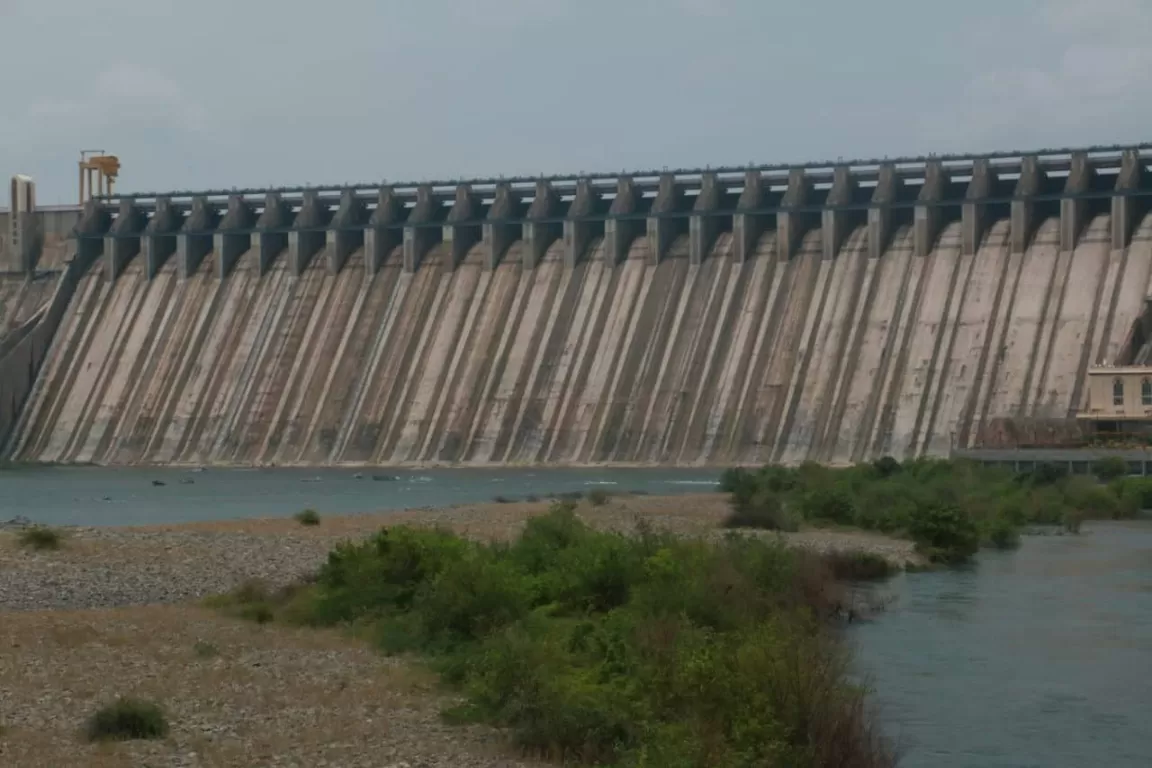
pixel 949 508
pixel 307 517
pixel 127 719
pixel 40 537
pixel 607 648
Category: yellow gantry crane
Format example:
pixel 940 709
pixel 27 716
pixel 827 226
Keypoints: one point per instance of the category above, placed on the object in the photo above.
pixel 98 172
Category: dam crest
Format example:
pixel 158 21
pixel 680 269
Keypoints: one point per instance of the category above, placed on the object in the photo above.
pixel 830 312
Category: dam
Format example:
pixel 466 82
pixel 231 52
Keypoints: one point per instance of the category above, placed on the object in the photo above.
pixel 832 312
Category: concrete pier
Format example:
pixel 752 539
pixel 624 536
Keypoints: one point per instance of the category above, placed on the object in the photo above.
pixel 384 233
pixel 540 229
pixel 348 230
pixel 309 232
pixel 195 240
pixel 830 312
pixel 747 225
pixel 421 231
pixel 159 240
pixel 232 238
pixel 626 224
pixel 124 237
pixel 662 228
pixel 792 223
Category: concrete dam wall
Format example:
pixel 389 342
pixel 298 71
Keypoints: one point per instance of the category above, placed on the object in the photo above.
pixel 833 314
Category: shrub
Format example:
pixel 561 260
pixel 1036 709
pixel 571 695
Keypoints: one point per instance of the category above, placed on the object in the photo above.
pixel 40 537
pixel 597 497
pixel 859 565
pixel 764 510
pixel 1072 520
pixel 502 500
pixel 828 503
pixel 945 534
pixel 205 650
pixel 126 719
pixel 1110 468
pixel 886 466
pixel 308 517
pixel 1047 473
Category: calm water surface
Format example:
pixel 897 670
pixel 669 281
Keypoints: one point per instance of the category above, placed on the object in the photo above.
pixel 1039 658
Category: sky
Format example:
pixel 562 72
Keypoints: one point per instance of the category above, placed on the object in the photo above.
pixel 218 94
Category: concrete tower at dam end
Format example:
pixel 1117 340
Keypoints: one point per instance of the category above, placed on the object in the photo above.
pixel 833 312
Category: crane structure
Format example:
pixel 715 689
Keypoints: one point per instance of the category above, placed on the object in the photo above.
pixel 98 172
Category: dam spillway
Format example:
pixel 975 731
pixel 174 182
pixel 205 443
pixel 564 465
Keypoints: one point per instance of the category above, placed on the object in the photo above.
pixel 834 313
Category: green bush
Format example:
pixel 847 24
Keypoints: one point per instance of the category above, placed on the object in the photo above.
pixel 859 565
pixel 597 497
pixel 1110 468
pixel 630 650
pixel 763 509
pixel 945 534
pixel 127 719
pixel 40 537
pixel 308 517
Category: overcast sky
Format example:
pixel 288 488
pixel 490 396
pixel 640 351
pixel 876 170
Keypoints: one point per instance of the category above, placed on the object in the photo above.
pixel 216 93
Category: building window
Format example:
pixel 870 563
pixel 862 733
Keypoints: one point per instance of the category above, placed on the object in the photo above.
pixel 1146 393
pixel 1117 392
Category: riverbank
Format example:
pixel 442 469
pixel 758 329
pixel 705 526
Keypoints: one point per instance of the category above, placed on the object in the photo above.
pixel 115 567
pixel 110 613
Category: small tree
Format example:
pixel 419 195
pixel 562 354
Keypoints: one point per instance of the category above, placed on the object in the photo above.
pixel 1110 468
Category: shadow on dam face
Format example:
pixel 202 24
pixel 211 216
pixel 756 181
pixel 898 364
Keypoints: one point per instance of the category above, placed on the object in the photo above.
pixel 769 359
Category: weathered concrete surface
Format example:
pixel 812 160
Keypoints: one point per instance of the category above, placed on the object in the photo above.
pixel 834 360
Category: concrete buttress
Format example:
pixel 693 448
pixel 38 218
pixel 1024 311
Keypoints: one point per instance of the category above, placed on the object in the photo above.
pixel 195 239
pixel 792 224
pixel 704 224
pixel 500 228
pixel 577 232
pixel 348 230
pixel 747 227
pixel 662 227
pixel 421 232
pixel 973 212
pixel 159 240
pixel 1073 209
pixel 234 236
pixel 272 230
pixel 880 212
pixel 1127 210
pixel 1030 183
pixel 384 234
pixel 461 230
pixel 926 216
pixel 538 233
pixel 620 232
pixel 835 221
pixel 124 242
pixel 308 235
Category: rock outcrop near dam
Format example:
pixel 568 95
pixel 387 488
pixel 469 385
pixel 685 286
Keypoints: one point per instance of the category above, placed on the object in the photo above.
pixel 825 313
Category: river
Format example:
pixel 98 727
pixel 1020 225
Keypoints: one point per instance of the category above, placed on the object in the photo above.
pixel 1038 657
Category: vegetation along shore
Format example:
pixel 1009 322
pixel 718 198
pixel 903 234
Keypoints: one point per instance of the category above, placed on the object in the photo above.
pixel 615 630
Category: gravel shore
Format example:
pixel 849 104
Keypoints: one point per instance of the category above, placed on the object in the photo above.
pixel 109 613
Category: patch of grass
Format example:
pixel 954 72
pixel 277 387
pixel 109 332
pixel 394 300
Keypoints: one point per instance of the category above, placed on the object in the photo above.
pixel 637 649
pixel 205 650
pixel 307 517
pixel 40 537
pixel 128 719
pixel 598 497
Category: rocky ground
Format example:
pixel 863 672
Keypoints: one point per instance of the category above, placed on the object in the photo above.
pixel 111 613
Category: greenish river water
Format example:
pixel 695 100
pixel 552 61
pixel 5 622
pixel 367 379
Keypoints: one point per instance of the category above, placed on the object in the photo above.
pixel 1039 658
